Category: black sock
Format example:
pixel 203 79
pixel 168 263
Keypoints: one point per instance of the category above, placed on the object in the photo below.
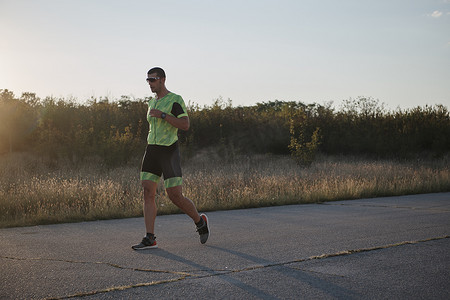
pixel 200 223
pixel 150 235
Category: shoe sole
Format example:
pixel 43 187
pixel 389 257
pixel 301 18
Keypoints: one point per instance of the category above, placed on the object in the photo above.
pixel 145 247
pixel 207 224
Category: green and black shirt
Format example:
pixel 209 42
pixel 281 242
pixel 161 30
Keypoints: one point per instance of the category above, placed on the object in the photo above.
pixel 161 132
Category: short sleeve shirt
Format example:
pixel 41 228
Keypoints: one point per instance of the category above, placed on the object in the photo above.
pixel 160 131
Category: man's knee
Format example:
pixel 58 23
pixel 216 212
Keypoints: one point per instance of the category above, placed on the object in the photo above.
pixel 175 195
pixel 149 189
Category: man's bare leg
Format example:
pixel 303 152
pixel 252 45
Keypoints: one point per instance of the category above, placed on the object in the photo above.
pixel 150 209
pixel 188 207
pixel 185 204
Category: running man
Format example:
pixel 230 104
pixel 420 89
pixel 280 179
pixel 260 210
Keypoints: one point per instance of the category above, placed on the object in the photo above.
pixel 166 114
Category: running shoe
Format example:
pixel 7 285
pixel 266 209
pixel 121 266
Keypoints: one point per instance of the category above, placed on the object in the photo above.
pixel 146 243
pixel 203 230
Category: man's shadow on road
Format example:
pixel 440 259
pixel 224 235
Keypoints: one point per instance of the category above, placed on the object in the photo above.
pixel 302 277
pixel 209 272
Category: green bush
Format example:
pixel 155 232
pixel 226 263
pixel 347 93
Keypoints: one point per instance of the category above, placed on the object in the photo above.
pixel 116 131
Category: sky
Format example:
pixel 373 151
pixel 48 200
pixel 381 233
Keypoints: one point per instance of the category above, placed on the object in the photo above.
pixel 246 51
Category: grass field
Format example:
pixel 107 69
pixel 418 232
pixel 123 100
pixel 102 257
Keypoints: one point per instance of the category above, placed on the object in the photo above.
pixel 35 191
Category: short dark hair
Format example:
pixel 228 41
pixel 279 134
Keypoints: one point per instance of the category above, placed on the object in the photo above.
pixel 159 71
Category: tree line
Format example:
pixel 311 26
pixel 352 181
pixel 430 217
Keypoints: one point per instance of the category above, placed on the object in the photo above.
pixel 116 131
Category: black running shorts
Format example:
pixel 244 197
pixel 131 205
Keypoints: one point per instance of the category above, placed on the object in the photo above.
pixel 162 160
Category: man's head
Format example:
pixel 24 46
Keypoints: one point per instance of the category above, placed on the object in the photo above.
pixel 156 78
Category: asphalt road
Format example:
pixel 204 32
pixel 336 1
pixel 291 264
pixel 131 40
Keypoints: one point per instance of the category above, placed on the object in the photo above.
pixel 383 248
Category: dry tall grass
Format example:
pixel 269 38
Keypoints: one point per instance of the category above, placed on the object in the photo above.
pixel 33 191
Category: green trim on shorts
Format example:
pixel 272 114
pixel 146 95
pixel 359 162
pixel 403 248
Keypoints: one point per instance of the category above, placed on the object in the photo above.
pixel 150 176
pixel 172 182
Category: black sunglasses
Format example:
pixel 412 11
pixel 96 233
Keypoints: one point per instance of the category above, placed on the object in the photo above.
pixel 152 79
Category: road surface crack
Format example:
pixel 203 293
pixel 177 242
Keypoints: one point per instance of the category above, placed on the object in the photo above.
pixel 96 263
